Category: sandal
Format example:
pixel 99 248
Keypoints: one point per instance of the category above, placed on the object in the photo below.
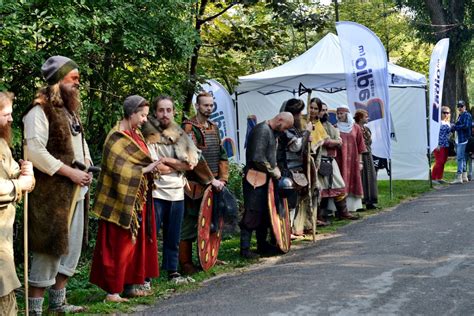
pixel 135 292
pixel 115 298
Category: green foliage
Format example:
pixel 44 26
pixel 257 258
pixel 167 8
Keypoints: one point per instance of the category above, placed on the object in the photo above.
pixel 253 38
pixel 122 47
pixel 235 181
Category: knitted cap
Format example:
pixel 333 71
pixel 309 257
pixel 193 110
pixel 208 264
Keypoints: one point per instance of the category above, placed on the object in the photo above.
pixel 131 103
pixel 56 68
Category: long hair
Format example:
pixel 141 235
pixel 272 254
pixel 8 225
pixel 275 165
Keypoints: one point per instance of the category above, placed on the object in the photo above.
pixel 6 131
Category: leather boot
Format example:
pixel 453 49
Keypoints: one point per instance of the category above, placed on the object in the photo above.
pixel 342 212
pixel 320 218
pixel 245 237
pixel 186 257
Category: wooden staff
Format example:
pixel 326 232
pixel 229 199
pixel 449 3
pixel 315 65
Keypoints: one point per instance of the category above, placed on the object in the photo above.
pixel 25 235
pixel 308 169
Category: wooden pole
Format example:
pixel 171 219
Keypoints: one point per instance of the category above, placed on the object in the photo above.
pixel 308 171
pixel 25 235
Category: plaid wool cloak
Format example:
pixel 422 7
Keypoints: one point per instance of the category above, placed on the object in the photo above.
pixel 121 188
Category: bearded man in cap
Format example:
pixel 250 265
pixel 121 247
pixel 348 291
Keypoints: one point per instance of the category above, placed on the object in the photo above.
pixel 57 218
pixel 14 180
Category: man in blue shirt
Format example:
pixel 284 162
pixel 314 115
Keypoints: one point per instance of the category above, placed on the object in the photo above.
pixel 463 132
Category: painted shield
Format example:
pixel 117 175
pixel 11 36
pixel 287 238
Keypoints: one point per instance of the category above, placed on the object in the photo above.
pixel 281 226
pixel 208 243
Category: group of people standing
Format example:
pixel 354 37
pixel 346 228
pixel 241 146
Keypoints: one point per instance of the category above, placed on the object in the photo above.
pixel 156 174
pixel 462 133
pixel 312 162
pixel 141 188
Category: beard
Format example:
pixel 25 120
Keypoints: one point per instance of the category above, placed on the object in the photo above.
pixel 6 133
pixel 205 114
pixel 70 96
pixel 324 118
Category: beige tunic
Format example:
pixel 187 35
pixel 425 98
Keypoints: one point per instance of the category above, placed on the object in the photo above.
pixel 168 187
pixel 9 172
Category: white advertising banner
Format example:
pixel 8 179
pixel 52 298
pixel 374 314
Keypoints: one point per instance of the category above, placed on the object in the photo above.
pixel 223 115
pixel 437 68
pixel 365 67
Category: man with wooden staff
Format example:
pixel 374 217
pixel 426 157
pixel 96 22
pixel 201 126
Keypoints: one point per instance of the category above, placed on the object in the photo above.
pixel 14 180
pixel 55 139
pixel 291 156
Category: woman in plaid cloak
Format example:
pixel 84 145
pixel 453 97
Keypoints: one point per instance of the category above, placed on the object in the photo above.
pixel 125 252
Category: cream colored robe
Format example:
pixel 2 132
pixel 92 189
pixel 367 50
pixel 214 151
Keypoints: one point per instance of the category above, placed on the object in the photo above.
pixel 9 172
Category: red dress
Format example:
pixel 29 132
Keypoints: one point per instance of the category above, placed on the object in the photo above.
pixel 117 261
pixel 348 160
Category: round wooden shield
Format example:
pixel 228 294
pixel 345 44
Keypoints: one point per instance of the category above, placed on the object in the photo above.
pixel 280 226
pixel 208 244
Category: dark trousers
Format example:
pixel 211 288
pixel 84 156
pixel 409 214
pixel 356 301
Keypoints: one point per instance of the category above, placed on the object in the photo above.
pixel 170 214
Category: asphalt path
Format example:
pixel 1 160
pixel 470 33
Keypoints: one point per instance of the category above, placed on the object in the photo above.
pixel 415 259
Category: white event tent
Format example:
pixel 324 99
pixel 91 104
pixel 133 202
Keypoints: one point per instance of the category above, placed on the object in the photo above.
pixel 321 69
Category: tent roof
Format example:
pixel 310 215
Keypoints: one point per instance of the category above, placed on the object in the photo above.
pixel 320 67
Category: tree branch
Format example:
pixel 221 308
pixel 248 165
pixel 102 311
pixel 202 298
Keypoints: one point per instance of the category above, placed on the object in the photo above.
pixel 212 17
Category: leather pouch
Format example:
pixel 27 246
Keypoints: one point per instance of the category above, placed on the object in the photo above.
pixel 256 178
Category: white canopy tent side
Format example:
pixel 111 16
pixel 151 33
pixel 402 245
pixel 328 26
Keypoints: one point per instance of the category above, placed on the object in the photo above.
pixel 321 70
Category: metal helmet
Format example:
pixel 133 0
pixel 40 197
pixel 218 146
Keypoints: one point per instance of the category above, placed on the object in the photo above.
pixel 286 187
pixel 285 183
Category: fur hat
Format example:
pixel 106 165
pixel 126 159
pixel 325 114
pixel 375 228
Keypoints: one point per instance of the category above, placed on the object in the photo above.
pixel 131 104
pixel 56 68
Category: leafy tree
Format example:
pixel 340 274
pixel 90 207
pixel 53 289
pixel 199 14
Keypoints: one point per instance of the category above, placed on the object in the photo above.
pixel 255 36
pixel 122 47
pixel 393 28
pixel 437 19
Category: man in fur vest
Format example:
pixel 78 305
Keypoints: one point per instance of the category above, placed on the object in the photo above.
pixel 57 217
pixel 212 168
pixel 13 181
pixel 177 154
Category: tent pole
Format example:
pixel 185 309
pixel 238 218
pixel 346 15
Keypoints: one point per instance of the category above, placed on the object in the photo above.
pixel 428 154
pixel 237 121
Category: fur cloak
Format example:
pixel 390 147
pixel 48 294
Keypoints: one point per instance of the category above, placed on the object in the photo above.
pixel 50 201
pixel 184 147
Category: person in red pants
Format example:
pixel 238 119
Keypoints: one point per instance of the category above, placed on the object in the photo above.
pixel 441 152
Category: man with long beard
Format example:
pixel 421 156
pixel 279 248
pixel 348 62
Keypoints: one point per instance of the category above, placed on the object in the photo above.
pixel 57 221
pixel 13 181
pixel 212 169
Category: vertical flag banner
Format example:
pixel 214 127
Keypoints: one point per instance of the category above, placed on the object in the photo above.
pixel 437 68
pixel 223 116
pixel 365 66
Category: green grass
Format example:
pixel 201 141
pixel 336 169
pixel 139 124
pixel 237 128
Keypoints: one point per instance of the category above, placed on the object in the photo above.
pixel 81 292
